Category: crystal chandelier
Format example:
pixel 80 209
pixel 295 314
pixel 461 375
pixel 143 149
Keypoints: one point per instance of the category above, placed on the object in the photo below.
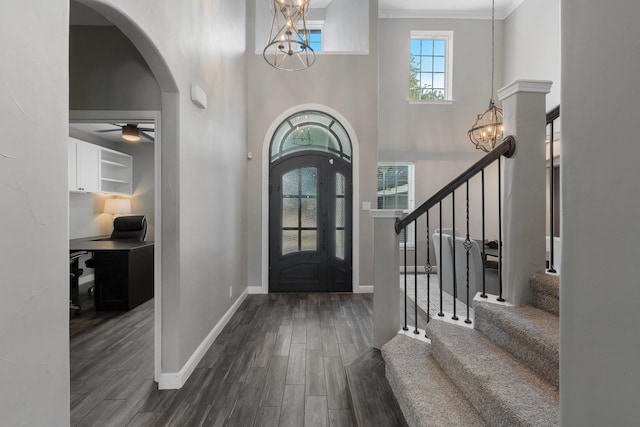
pixel 488 128
pixel 288 48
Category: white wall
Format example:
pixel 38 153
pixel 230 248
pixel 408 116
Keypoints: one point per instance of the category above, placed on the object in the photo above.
pixel 34 284
pixel 344 83
pixel 600 343
pixel 434 136
pixel 532 45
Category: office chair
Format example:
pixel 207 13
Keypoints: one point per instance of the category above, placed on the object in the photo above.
pixel 74 276
pixel 131 228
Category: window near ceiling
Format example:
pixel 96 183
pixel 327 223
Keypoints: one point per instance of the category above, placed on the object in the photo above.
pixel 396 190
pixel 431 66
pixel 314 31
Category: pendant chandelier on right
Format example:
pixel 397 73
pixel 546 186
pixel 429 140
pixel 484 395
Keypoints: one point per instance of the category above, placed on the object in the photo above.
pixel 487 130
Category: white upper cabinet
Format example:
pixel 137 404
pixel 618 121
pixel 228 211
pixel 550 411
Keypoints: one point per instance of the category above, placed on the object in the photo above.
pixel 95 169
pixel 84 166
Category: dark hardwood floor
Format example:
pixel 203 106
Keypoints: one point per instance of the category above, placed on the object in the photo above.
pixel 87 318
pixel 279 362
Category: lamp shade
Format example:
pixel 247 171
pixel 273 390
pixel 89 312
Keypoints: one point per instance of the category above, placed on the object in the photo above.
pixel 117 206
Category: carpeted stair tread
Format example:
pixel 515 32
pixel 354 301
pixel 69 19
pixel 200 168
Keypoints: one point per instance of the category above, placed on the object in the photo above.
pixel 545 292
pixel 529 334
pixel 424 392
pixel 503 391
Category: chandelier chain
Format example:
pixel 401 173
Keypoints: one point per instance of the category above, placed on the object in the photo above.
pixel 493 37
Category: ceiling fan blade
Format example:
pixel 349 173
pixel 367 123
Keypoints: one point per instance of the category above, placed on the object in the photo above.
pixel 147 129
pixel 109 130
pixel 147 137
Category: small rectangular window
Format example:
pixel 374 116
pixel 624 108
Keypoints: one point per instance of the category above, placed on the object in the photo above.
pixel 430 66
pixel 396 190
pixel 314 33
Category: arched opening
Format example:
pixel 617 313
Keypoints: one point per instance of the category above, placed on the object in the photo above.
pixel 164 159
pixel 310 205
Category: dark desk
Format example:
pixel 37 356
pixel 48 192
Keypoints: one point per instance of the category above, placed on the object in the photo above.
pixel 123 271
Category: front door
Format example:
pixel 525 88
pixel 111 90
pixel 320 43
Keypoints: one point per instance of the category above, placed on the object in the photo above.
pixel 310 223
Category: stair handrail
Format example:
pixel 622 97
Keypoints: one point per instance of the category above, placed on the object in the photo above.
pixel 506 148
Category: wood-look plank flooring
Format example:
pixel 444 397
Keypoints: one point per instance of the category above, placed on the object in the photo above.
pixel 279 362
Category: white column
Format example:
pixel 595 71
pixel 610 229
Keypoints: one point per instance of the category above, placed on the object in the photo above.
pixel 523 219
pixel 386 276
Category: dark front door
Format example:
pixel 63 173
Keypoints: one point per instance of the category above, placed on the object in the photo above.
pixel 310 224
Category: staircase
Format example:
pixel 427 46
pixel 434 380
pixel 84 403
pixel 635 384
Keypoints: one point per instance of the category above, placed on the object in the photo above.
pixel 502 372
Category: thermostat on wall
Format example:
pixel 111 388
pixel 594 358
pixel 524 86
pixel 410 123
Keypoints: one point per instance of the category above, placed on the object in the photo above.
pixel 198 96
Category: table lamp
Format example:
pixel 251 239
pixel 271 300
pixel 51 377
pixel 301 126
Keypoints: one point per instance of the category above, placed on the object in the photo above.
pixel 117 206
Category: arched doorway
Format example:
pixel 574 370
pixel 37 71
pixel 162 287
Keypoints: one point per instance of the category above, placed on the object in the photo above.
pixel 310 205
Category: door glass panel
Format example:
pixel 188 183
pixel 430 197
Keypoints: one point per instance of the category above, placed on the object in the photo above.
pixel 340 244
pixel 308 240
pixel 290 183
pixel 339 212
pixel 290 212
pixel 340 183
pixel 309 213
pixel 289 241
pixel 309 178
pixel 340 215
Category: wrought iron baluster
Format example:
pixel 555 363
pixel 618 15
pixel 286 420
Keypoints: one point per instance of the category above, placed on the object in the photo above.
pixel 467 248
pixel 500 298
pixel 427 269
pixel 484 254
pixel 404 328
pixel 415 275
pixel 440 313
pixel 453 253
pixel 551 211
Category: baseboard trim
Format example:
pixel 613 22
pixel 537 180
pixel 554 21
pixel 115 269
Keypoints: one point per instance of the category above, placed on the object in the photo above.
pixel 175 380
pixel 257 290
pixel 366 289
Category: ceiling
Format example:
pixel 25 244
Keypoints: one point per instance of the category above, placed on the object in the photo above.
pixel 115 136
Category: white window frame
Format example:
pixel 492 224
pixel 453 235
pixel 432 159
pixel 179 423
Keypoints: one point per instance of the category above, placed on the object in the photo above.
pixel 316 25
pixel 447 36
pixel 411 196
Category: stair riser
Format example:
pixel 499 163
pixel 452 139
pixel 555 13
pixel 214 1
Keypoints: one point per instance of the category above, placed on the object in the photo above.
pixel 545 302
pixel 537 359
pixel 472 387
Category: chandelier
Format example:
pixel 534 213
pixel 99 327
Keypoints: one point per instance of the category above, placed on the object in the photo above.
pixel 488 128
pixel 288 48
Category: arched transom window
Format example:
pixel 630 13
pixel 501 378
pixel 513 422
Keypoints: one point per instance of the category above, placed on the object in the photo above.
pixel 310 131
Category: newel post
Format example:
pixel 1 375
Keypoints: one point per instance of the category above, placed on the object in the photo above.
pixel 386 276
pixel 524 107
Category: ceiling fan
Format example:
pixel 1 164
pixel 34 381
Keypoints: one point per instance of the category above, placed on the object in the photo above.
pixel 131 132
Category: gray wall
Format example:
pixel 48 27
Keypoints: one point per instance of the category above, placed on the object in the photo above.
pixel 345 83
pixel 345 28
pixel 434 136
pixel 532 45
pixel 34 278
pixel 186 45
pixel 203 159
pixel 107 72
pixel 600 346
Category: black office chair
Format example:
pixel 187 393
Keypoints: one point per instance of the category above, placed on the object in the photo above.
pixel 74 276
pixel 132 228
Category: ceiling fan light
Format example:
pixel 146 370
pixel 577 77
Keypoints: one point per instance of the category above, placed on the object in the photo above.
pixel 131 133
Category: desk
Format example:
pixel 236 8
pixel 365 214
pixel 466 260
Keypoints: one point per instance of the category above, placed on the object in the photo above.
pixel 123 271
